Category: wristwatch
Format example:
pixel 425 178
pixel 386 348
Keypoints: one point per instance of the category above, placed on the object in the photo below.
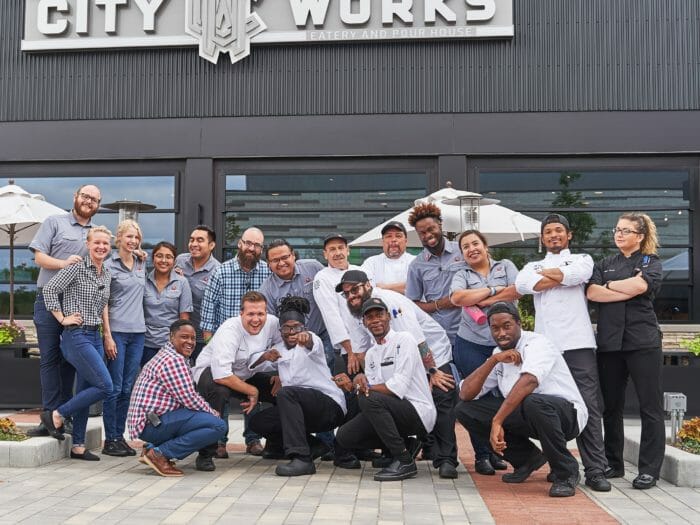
pixel 432 370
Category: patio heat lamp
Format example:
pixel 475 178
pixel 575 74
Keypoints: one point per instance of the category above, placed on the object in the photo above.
pixel 469 212
pixel 129 209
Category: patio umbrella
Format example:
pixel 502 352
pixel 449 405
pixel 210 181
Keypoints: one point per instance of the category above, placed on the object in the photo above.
pixel 499 224
pixel 21 213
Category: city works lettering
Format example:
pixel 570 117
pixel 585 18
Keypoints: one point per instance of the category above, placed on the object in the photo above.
pixel 231 26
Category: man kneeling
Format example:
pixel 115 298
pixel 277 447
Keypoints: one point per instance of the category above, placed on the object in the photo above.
pixel 394 397
pixel 541 402
pixel 165 410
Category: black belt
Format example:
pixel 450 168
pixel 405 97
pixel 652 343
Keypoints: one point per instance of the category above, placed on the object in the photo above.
pixel 84 328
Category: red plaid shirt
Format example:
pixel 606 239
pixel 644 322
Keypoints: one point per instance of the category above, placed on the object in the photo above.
pixel 165 384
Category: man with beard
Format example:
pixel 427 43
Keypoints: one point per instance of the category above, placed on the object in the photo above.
pixel 430 274
pixel 59 242
pixel 197 266
pixel 539 400
pixel 558 285
pixel 390 267
pixel 222 300
pixel 336 252
pixel 435 350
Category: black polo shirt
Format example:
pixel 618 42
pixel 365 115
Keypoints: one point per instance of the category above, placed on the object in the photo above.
pixel 632 324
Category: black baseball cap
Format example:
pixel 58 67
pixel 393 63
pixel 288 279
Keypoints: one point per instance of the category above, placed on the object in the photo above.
pixel 503 307
pixel 396 225
pixel 372 304
pixel 555 218
pixel 332 236
pixel 351 277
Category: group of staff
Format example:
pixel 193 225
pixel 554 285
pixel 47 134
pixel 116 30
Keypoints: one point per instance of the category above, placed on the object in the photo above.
pixel 425 341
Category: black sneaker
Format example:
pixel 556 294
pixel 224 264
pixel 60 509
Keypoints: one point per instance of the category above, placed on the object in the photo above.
pixel 397 471
pixel 497 462
pixel 296 467
pixel 644 481
pixel 520 474
pixel 205 464
pixel 483 466
pixel 447 471
pixel 564 488
pixel 114 448
pixel 598 483
pixel 347 462
pixel 612 472
pixel 129 451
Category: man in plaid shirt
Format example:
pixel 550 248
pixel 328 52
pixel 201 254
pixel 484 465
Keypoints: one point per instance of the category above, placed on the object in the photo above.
pixel 166 411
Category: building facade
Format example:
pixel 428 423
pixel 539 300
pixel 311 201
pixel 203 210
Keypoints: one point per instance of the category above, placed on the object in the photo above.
pixel 590 108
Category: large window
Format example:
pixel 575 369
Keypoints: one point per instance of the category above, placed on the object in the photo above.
pixel 304 207
pixel 592 199
pixel 156 225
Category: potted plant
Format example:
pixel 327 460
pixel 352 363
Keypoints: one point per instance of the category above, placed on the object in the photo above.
pixel 689 436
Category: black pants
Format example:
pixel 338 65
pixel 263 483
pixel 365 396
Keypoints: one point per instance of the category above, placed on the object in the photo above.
pixel 218 395
pixel 299 412
pixel 443 443
pixel 583 368
pixel 644 366
pixel 384 421
pixel 550 419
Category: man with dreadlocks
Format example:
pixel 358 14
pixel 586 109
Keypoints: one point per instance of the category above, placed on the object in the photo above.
pixel 308 401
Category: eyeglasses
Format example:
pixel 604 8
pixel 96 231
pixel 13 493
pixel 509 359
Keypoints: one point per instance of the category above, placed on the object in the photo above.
pixel 277 260
pixel 352 291
pixel 250 244
pixel 288 330
pixel 161 256
pixel 624 231
pixel 88 198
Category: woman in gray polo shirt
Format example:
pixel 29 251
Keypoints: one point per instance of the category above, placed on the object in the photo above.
pixel 167 298
pixel 483 283
pixel 123 341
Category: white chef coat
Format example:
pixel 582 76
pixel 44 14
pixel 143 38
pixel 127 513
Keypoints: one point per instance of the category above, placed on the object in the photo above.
pixel 561 312
pixel 396 363
pixel 388 271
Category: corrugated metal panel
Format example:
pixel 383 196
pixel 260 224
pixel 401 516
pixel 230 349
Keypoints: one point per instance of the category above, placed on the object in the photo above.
pixel 567 55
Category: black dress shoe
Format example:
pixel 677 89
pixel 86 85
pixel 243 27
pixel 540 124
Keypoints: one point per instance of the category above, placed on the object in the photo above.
pixel 497 462
pixel 47 419
pixel 612 472
pixel 564 488
pixel 447 471
pixel 483 466
pixel 349 462
pixel 86 456
pixel 296 467
pixel 644 481
pixel 204 463
pixel 112 447
pixel 129 451
pixel 38 431
pixel 523 472
pixel 598 483
pixel 397 471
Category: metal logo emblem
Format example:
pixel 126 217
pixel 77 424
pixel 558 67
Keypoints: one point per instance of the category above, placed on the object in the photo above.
pixel 222 26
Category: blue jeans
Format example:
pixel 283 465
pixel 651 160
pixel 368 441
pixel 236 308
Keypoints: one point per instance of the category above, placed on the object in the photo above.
pixel 123 369
pixel 467 357
pixel 183 431
pixel 83 349
pixel 57 375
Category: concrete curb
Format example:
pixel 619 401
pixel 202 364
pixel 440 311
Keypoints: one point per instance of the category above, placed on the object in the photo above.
pixel 38 451
pixel 680 468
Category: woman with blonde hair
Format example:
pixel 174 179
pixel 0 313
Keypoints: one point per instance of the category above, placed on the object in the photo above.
pixel 629 344
pixel 77 297
pixel 124 333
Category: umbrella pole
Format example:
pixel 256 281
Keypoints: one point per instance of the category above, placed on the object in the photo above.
pixel 12 273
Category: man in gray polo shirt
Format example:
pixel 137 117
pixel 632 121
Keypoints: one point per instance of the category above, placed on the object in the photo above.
pixel 60 242
pixel 197 266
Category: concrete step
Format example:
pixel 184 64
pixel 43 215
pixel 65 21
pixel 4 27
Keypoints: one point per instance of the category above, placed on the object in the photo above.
pixel 38 451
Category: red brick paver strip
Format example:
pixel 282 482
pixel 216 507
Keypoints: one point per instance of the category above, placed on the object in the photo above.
pixel 528 502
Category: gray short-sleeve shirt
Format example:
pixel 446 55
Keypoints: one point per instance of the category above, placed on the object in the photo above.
pixel 59 236
pixel 501 273
pixel 126 295
pixel 161 309
pixel 430 277
pixel 198 280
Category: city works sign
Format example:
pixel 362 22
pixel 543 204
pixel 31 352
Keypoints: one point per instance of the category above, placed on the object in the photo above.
pixel 231 26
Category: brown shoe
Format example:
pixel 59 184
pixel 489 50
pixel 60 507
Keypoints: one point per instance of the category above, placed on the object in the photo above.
pixel 254 448
pixel 160 464
pixel 142 457
pixel 221 452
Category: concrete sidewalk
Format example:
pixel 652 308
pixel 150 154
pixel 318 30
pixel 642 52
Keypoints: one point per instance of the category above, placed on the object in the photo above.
pixel 245 489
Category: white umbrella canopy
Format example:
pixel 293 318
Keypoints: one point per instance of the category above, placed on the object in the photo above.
pixel 499 224
pixel 21 213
